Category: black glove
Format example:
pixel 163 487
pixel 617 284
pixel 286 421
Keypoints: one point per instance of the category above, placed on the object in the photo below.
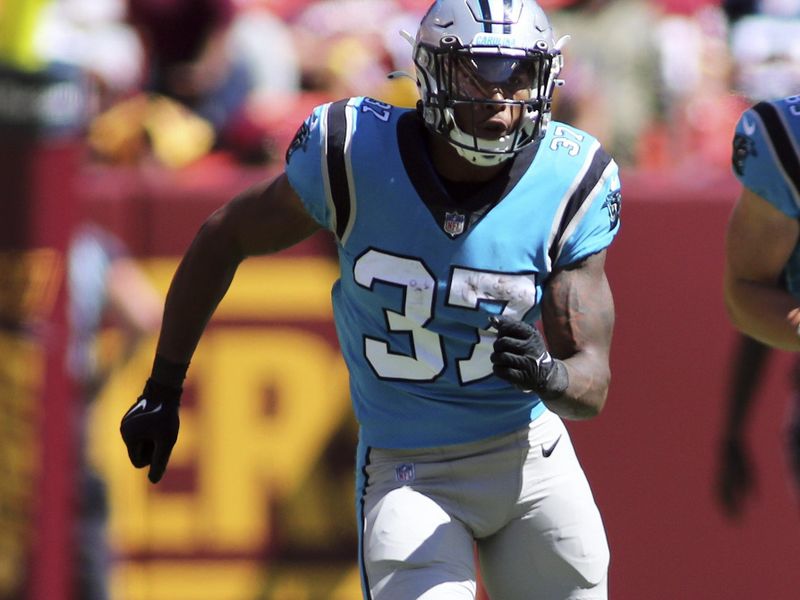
pixel 150 427
pixel 735 479
pixel 521 357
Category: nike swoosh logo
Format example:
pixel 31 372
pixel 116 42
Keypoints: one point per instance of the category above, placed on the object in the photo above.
pixel 546 452
pixel 141 404
pixel 748 126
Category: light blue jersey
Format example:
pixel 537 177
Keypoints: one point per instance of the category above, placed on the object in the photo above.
pixel 766 159
pixel 422 273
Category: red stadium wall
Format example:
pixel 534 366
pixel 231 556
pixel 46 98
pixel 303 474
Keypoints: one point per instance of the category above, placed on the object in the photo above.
pixel 650 456
pixel 39 158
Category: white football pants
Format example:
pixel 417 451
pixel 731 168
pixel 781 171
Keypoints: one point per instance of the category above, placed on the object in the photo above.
pixel 521 498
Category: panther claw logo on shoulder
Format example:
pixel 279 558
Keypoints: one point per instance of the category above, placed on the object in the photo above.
pixel 743 147
pixel 454 223
pixel 300 139
pixel 612 204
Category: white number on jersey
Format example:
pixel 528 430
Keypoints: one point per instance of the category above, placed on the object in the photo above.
pixel 566 138
pixel 468 288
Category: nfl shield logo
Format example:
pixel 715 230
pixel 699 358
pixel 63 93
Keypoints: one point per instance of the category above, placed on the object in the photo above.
pixel 454 223
pixel 405 472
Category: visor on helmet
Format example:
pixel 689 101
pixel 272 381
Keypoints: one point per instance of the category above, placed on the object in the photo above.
pixel 477 77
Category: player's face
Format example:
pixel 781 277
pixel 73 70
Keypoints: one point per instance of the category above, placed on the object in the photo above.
pixel 494 79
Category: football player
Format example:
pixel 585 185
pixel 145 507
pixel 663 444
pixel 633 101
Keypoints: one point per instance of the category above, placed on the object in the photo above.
pixel 459 225
pixel 762 265
pixel 762 274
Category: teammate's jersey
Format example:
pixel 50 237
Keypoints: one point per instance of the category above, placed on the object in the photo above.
pixel 766 159
pixel 422 273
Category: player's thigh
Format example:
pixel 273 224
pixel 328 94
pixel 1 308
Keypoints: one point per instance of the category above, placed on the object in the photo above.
pixel 412 546
pixel 556 549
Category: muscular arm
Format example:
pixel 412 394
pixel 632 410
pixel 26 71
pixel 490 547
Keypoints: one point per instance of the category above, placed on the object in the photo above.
pixel 759 241
pixel 264 219
pixel 578 320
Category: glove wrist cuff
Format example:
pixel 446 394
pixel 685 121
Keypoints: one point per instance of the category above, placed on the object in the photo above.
pixel 168 373
pixel 557 381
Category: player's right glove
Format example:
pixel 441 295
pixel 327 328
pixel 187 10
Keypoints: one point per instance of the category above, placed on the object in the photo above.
pixel 520 356
pixel 150 427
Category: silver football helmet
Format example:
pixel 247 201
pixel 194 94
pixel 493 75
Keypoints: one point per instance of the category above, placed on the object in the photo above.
pixel 467 50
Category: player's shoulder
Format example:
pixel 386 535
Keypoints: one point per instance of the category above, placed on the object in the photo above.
pixel 767 132
pixel 568 142
pixel 766 152
pixel 357 108
pixel 347 117
pixel 557 129
pixel 336 123
pixel 775 121
pixel 574 152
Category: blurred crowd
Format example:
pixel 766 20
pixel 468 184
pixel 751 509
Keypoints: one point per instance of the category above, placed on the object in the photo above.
pixel 659 83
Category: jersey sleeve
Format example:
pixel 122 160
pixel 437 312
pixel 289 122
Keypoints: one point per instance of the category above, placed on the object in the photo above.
pixel 304 165
pixel 764 157
pixel 596 220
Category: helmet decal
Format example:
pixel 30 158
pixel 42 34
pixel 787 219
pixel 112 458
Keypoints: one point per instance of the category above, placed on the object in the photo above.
pixel 491 15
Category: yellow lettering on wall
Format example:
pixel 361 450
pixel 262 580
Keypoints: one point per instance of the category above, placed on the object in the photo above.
pixel 272 288
pixel 20 379
pixel 253 451
pixel 244 453
pixel 188 580
pixel 234 580
pixel 266 399
pixel 31 279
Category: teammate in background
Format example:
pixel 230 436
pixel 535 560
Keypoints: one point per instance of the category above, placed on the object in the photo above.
pixel 458 225
pixel 191 58
pixel 762 266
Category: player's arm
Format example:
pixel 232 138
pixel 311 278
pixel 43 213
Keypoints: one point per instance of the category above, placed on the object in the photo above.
pixel 573 375
pixel 735 479
pixel 578 321
pixel 759 240
pixel 264 219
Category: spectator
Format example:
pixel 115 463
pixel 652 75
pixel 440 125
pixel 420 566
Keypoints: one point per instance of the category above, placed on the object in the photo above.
pixel 344 60
pixel 189 58
pixel 700 111
pixel 765 45
pixel 104 283
pixel 93 35
pixel 611 66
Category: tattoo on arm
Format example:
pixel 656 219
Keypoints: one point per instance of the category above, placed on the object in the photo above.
pixel 578 309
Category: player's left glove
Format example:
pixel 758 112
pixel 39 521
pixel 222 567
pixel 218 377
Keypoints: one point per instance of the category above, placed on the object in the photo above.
pixel 520 357
pixel 150 428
